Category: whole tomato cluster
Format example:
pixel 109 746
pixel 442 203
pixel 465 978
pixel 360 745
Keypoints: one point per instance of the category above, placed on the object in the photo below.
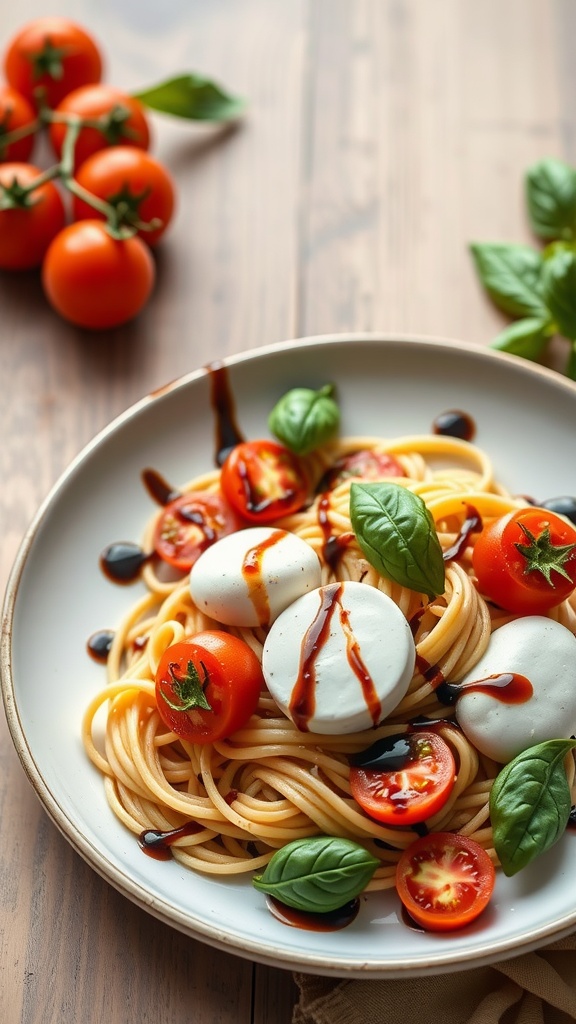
pixel 90 219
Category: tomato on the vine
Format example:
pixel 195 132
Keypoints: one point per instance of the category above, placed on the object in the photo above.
pixel 29 221
pixel 525 561
pixel 208 686
pixel 363 465
pixel 418 778
pixel 444 880
pixel 121 121
pixel 131 180
pixel 263 481
pixel 190 524
pixel 52 55
pixel 15 113
pixel 95 280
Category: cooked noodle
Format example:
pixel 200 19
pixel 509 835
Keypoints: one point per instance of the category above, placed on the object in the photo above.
pixel 269 783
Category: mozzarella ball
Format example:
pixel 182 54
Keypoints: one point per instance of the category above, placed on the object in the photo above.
pixel 249 577
pixel 339 659
pixel 544 652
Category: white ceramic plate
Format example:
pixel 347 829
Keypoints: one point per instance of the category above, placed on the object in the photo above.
pixel 525 418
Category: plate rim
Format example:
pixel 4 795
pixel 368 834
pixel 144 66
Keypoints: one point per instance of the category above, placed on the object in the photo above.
pixel 212 935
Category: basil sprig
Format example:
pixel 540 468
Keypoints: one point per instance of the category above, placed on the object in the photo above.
pixel 530 804
pixel 304 419
pixel 396 532
pixel 318 874
pixel 192 97
pixel 537 287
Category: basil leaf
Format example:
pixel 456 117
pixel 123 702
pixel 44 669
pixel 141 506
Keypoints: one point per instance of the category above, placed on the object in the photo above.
pixel 192 97
pixel 511 276
pixel 527 338
pixel 559 290
pixel 551 199
pixel 530 804
pixel 396 532
pixel 304 419
pixel 318 874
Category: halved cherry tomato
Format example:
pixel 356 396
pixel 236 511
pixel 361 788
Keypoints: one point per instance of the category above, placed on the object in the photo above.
pixel 363 465
pixel 190 524
pixel 525 561
pixel 121 117
pixel 263 481
pixel 53 55
pixel 15 113
pixel 418 778
pixel 208 686
pixel 131 180
pixel 95 280
pixel 444 880
pixel 28 228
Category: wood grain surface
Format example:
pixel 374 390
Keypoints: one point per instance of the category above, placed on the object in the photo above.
pixel 382 137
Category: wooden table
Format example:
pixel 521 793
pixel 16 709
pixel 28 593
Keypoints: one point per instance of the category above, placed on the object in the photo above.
pixel 382 137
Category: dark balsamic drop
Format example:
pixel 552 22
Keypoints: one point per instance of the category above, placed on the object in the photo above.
pixel 158 844
pixel 99 644
pixel 455 423
pixel 122 562
pixel 332 921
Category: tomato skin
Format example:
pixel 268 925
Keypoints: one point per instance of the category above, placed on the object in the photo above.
pixel 94 280
pixel 263 481
pixel 233 689
pixel 26 232
pixel 190 524
pixel 364 465
pixel 444 881
pixel 413 792
pixel 94 101
pixel 80 60
pixel 500 567
pixel 15 112
pixel 113 172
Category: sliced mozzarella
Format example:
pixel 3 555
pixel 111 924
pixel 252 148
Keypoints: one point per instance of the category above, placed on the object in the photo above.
pixel 339 659
pixel 249 577
pixel 544 652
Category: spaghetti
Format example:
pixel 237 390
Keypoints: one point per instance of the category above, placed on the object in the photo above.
pixel 229 805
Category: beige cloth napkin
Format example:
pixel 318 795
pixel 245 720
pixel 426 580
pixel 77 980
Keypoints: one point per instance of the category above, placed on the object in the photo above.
pixel 535 988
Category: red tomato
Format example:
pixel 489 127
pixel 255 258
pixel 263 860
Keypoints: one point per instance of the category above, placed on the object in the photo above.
pixel 27 230
pixel 208 686
pixel 122 117
pixel 444 880
pixel 53 55
pixel 15 113
pixel 263 481
pixel 364 465
pixel 133 182
pixel 415 789
pixel 190 524
pixel 95 280
pixel 525 561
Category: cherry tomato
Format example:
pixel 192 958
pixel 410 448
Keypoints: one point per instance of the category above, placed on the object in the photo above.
pixel 417 784
pixel 94 280
pixel 54 55
pixel 132 181
pixel 363 465
pixel 208 686
pixel 122 118
pixel 15 113
pixel 444 880
pixel 27 230
pixel 263 481
pixel 525 561
pixel 190 524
